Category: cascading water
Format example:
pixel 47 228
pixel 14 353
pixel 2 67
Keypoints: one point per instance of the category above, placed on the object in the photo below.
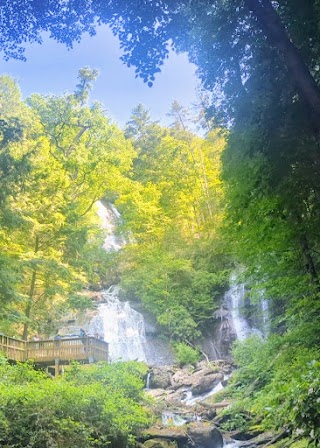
pixel 117 322
pixel 235 298
pixel 121 326
pixel 265 316
pixel 109 217
pixel 148 380
pixel 190 400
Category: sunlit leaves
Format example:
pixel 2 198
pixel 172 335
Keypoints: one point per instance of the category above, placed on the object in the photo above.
pixel 74 156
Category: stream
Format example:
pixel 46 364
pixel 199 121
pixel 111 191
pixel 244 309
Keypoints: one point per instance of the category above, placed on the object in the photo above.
pixel 124 328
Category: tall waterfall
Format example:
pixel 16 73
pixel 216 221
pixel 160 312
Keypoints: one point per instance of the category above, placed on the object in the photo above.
pixel 109 217
pixel 117 322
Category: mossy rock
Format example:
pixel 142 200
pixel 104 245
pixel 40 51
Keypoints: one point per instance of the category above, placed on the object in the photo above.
pixel 284 444
pixel 160 443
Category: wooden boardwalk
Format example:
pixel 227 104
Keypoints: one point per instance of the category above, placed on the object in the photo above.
pixel 54 352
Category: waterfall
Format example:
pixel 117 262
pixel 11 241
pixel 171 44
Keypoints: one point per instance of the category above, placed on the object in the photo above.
pixel 148 380
pixel 190 400
pixel 109 217
pixel 121 326
pixel 117 322
pixel 265 316
pixel 235 298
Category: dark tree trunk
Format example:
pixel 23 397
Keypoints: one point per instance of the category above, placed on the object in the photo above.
pixel 276 32
pixel 31 296
pixel 308 260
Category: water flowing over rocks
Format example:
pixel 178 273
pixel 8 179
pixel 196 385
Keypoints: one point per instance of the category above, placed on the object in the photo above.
pixel 185 418
pixel 124 329
pixel 188 385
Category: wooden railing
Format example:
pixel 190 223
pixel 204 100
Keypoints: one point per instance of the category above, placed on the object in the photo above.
pixel 14 349
pixel 64 350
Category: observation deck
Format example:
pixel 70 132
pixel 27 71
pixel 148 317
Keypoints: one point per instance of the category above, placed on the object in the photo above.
pixel 55 352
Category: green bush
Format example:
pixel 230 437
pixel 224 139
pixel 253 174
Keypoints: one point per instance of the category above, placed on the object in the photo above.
pixel 94 406
pixel 186 354
pixel 304 404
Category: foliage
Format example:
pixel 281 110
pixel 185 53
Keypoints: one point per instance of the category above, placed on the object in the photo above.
pixel 303 408
pixel 172 210
pixel 58 157
pixel 234 421
pixel 186 354
pixel 276 385
pixel 38 411
pixel 191 204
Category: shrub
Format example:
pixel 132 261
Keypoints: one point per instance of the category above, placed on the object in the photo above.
pixel 186 354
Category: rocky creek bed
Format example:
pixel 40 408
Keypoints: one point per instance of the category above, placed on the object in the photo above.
pixel 187 414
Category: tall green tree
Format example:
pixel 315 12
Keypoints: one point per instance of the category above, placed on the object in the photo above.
pixel 76 157
pixel 174 202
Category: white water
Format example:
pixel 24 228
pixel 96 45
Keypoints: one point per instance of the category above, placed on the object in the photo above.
pixel 121 326
pixel 265 316
pixel 190 400
pixel 109 217
pixel 235 296
pixel 148 380
pixel 230 444
pixel 172 419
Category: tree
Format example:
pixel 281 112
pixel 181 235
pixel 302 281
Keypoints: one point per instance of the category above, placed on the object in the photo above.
pixel 207 30
pixel 174 201
pixel 16 151
pixel 75 158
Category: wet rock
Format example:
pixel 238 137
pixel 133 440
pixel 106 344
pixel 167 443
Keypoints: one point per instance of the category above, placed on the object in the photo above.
pixel 158 393
pixel 195 434
pixel 246 435
pixel 160 378
pixel 160 443
pixel 203 435
pixel 204 382
pixel 181 378
pixel 173 433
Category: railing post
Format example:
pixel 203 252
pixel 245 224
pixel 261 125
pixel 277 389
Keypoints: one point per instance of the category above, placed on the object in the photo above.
pixel 56 367
pixel 90 351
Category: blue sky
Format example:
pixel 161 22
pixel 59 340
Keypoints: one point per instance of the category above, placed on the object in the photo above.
pixel 51 68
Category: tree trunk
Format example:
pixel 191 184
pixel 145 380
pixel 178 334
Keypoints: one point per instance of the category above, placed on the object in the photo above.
pixel 308 259
pixel 30 295
pixel 29 305
pixel 276 32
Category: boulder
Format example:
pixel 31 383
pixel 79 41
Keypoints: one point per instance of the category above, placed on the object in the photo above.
pixel 203 435
pixel 158 393
pixel 181 378
pixel 160 378
pixel 165 432
pixel 203 382
pixel 160 443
